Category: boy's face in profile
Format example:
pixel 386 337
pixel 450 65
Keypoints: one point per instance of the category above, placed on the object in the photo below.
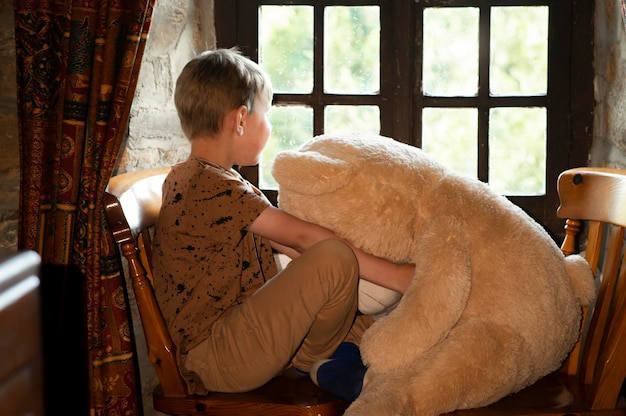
pixel 255 131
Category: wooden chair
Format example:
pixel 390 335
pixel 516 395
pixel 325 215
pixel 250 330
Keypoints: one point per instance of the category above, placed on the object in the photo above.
pixel 590 381
pixel 132 204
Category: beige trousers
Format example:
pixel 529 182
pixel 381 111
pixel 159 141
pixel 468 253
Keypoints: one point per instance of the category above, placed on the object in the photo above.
pixel 297 318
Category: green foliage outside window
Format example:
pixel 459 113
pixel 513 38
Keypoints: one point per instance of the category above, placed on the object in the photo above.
pixel 518 67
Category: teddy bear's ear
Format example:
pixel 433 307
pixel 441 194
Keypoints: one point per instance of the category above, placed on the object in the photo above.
pixel 310 172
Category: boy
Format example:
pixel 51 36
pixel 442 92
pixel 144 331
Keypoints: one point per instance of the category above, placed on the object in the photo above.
pixel 236 323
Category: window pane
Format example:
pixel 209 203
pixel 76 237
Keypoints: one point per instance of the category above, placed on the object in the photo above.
pixel 517 151
pixel 451 51
pixel 363 118
pixel 352 50
pixel 291 126
pixel 519 50
pixel 450 135
pixel 286 47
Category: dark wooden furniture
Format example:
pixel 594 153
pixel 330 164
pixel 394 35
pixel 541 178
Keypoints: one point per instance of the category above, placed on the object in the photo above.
pixel 21 371
pixel 132 204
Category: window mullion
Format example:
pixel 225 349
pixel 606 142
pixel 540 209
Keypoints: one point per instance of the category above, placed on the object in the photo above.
pixel 398 75
pixel 483 92
pixel 318 72
pixel 418 96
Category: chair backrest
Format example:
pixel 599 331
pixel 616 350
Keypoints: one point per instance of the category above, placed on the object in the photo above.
pixel 132 205
pixel 597 197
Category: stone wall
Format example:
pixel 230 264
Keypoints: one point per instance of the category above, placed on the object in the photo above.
pixel 9 146
pixel 609 133
pixel 180 30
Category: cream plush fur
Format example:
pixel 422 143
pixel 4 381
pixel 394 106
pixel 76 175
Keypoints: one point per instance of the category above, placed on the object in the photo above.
pixel 494 304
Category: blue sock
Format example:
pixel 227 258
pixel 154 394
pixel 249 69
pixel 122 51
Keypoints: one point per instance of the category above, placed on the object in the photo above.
pixel 344 350
pixel 347 350
pixel 341 376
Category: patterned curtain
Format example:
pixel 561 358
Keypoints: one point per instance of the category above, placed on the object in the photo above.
pixel 77 67
pixel 623 4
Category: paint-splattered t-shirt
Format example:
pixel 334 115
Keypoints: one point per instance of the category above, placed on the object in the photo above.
pixel 204 258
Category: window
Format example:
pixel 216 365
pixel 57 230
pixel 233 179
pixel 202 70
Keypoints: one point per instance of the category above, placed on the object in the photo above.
pixel 498 89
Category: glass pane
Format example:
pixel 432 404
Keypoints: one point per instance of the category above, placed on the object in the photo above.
pixel 352 50
pixel 450 51
pixel 363 118
pixel 519 50
pixel 291 126
pixel 286 47
pixel 450 135
pixel 517 151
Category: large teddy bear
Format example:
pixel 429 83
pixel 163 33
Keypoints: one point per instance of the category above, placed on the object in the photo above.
pixel 494 304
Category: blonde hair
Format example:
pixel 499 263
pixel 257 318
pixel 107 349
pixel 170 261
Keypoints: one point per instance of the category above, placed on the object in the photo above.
pixel 214 83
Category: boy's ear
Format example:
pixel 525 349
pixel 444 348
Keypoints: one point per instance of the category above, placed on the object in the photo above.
pixel 310 173
pixel 235 120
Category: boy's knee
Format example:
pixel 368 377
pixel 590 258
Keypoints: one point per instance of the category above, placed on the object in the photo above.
pixel 340 252
pixel 336 247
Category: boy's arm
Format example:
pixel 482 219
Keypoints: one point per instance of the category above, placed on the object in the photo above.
pixel 297 235
pixel 288 251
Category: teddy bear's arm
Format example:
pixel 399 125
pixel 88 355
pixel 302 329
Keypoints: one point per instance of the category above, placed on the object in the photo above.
pixel 433 303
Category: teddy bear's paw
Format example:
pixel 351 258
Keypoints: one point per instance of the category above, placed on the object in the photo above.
pixel 382 398
pixel 394 340
pixel 387 395
pixel 432 305
pixel 370 408
pixel 384 356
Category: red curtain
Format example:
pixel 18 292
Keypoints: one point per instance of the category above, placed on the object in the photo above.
pixel 77 67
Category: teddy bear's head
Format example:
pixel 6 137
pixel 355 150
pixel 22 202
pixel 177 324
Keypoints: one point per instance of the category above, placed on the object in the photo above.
pixel 360 186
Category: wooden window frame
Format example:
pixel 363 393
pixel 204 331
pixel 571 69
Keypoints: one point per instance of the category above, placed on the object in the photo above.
pixel 569 101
